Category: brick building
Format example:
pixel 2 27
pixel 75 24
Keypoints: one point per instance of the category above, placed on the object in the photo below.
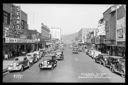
pixel 45 34
pixel 115 25
pixel 15 31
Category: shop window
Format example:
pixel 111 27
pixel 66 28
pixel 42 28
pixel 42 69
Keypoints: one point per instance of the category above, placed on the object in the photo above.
pixel 6 18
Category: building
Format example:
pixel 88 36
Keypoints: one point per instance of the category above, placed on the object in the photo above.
pixel 15 31
pixel 90 35
pixel 45 34
pixel 115 27
pixel 82 34
pixel 55 33
pixel 110 26
pixel 100 35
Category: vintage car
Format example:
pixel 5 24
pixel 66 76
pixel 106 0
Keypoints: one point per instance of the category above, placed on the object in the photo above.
pixel 37 54
pixel 48 63
pixel 87 51
pixel 52 53
pixel 42 52
pixel 101 59
pixel 91 53
pixel 75 51
pixel 80 49
pixel 95 54
pixel 118 66
pixel 59 55
pixel 32 57
pixel 19 63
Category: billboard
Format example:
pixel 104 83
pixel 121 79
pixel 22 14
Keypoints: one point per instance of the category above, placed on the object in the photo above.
pixel 120 29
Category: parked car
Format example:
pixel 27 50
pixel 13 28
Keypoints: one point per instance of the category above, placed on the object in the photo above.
pixel 37 54
pixel 87 51
pixel 80 49
pixel 52 53
pixel 101 59
pixel 75 51
pixel 59 55
pixel 91 53
pixel 48 63
pixel 19 63
pixel 42 52
pixel 95 54
pixel 32 57
pixel 118 66
pixel 108 61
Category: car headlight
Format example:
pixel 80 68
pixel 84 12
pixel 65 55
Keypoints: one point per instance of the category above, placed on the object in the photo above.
pixel 105 59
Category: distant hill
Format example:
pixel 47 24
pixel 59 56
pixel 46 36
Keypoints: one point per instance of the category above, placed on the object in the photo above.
pixel 68 38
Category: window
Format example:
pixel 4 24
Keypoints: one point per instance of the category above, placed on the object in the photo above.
pixel 6 18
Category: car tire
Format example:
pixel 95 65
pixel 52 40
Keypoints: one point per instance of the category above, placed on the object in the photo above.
pixel 22 68
pixel 96 60
pixel 112 69
pixel 29 64
pixel 104 64
pixel 123 75
pixel 100 63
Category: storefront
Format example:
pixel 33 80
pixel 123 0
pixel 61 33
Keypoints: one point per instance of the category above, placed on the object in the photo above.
pixel 15 47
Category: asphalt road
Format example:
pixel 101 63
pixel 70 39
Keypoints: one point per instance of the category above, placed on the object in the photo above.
pixel 74 68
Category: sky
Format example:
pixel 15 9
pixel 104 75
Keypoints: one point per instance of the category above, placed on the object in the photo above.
pixel 70 18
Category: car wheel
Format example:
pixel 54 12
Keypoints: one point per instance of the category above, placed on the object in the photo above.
pixel 40 65
pixel 112 68
pixel 96 60
pixel 123 75
pixel 104 64
pixel 28 64
pixel 100 62
pixel 22 68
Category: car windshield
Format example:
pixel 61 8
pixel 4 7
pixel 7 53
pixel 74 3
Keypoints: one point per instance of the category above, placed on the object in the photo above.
pixel 19 59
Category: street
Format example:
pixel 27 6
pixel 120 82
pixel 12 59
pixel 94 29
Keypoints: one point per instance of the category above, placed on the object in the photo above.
pixel 74 68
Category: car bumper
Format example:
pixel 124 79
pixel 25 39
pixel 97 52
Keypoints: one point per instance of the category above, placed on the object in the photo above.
pixel 42 67
pixel 13 68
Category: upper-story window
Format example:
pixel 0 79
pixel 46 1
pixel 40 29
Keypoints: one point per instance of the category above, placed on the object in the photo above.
pixel 6 18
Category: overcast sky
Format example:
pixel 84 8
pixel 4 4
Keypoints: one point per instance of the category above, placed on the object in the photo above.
pixel 69 17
